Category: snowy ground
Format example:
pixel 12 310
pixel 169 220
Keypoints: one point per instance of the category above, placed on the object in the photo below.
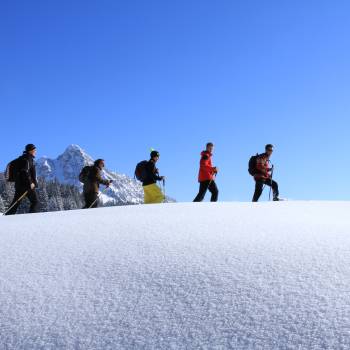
pixel 178 276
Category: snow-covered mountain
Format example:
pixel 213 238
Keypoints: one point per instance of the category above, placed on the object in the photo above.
pixel 66 169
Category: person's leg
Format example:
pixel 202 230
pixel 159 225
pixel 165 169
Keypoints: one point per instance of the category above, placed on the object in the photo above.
pixel 147 194
pixel 274 186
pixel 153 194
pixel 33 198
pixel 275 190
pixel 203 187
pixel 18 194
pixel 89 199
pixel 214 191
pixel 94 199
pixel 86 200
pixel 158 194
pixel 259 185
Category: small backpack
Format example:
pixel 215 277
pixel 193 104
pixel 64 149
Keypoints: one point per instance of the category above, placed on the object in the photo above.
pixel 12 170
pixel 85 173
pixel 252 165
pixel 141 171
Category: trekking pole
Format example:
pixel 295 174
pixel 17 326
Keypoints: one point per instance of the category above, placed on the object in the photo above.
pixel 17 201
pixel 271 182
pixel 98 197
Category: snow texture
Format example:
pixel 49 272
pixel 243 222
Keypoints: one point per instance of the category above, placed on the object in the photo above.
pixel 178 276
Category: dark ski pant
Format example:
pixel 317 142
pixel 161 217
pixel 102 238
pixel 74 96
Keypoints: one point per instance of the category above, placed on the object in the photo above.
pixel 89 199
pixel 259 186
pixel 31 195
pixel 204 186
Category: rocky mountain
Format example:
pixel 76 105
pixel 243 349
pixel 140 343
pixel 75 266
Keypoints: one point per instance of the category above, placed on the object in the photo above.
pixel 65 169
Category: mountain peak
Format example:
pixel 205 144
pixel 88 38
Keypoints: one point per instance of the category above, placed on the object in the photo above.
pixel 75 149
pixel 74 153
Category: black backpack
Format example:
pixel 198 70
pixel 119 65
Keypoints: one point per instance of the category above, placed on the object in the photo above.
pixel 12 170
pixel 85 173
pixel 141 171
pixel 252 165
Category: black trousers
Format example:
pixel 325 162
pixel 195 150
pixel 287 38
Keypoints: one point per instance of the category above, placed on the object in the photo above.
pixel 259 186
pixel 204 186
pixel 31 195
pixel 89 199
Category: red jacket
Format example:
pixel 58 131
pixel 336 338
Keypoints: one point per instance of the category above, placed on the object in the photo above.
pixel 262 167
pixel 206 170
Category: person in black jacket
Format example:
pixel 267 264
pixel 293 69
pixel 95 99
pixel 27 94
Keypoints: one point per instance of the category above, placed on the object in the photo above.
pixel 92 186
pixel 25 180
pixel 152 192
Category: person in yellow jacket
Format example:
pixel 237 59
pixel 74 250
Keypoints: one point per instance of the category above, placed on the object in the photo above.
pixel 153 193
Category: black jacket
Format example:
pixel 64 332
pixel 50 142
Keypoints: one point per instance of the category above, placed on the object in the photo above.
pixel 152 174
pixel 26 173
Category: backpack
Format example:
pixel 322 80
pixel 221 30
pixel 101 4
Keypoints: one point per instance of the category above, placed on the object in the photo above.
pixel 85 173
pixel 12 170
pixel 141 171
pixel 252 164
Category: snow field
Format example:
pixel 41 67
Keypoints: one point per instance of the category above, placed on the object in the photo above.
pixel 178 276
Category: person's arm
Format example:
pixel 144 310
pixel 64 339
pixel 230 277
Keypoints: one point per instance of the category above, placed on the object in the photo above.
pixel 205 164
pixel 34 178
pixel 153 172
pixel 262 166
pixel 100 180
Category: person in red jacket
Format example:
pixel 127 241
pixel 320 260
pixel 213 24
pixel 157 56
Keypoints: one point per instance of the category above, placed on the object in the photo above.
pixel 207 175
pixel 263 175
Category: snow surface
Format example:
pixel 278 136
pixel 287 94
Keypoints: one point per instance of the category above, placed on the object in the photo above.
pixel 178 276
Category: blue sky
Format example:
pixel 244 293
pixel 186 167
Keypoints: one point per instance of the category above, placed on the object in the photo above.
pixel 120 77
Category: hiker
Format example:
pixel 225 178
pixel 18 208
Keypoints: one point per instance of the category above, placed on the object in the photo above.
pixel 91 177
pixel 24 176
pixel 148 174
pixel 207 174
pixel 263 174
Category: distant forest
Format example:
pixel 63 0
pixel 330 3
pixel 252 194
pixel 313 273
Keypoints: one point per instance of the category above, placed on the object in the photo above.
pixel 53 196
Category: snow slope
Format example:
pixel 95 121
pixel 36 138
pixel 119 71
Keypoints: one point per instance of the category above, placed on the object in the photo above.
pixel 178 276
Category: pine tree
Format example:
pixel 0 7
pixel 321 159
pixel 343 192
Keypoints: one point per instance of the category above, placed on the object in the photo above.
pixel 43 196
pixel 58 196
pixel 2 205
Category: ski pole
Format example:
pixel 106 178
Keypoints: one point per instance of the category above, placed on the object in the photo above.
pixel 271 182
pixel 164 190
pixel 99 195
pixel 17 201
